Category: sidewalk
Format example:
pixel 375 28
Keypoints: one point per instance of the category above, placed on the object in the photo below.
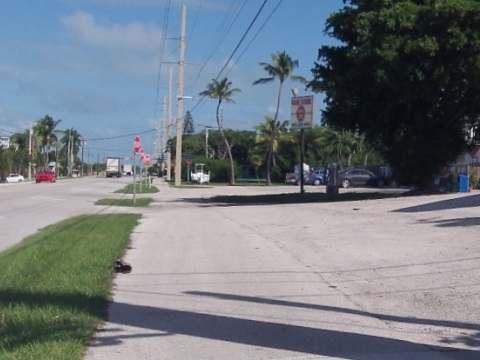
pixel 365 280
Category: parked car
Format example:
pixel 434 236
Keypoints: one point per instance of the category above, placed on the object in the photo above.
pixel 316 177
pixel 13 178
pixel 48 176
pixel 359 177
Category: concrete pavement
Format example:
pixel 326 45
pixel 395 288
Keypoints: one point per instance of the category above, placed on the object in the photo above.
pixel 384 279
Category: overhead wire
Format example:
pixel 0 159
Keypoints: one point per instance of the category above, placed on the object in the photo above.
pixel 202 99
pixel 162 48
pixel 122 136
pixel 217 44
pixel 258 32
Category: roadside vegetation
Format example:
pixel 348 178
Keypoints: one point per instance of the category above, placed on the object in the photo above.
pixel 145 189
pixel 139 202
pixel 55 286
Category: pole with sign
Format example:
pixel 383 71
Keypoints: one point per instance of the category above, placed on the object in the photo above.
pixel 142 156
pixel 136 149
pixel 302 118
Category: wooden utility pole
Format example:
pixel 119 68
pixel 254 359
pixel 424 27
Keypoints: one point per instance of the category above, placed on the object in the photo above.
pixel 169 134
pixel 181 65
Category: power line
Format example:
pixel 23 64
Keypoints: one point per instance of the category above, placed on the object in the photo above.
pixel 243 37
pixel 259 30
pixel 202 99
pixel 122 136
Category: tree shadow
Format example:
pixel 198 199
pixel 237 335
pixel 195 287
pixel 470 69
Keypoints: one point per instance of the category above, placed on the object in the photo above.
pixel 461 202
pixel 288 337
pixel 160 322
pixel 401 319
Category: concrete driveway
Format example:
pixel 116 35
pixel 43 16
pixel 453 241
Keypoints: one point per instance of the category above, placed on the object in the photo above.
pixel 384 279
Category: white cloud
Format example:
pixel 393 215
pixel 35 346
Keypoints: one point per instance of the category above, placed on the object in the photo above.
pixel 133 36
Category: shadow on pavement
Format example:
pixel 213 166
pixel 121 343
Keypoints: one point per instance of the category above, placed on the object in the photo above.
pixel 258 300
pixel 344 344
pixel 462 202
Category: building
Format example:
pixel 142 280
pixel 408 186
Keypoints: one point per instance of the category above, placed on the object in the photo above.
pixel 4 142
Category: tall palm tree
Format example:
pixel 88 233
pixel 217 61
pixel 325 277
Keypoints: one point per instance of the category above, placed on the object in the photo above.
pixel 46 131
pixel 72 142
pixel 20 140
pixel 268 138
pixel 222 91
pixel 281 69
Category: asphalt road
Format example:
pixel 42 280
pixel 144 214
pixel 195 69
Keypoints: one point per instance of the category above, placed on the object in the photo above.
pixel 27 206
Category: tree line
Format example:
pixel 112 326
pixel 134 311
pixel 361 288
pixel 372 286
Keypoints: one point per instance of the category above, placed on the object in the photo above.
pixel 36 147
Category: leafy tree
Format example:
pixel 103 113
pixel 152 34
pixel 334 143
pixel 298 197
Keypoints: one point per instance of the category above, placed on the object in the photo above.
pixel 269 134
pixel 222 91
pixel 46 131
pixel 406 73
pixel 5 163
pixel 281 69
pixel 188 125
pixel 72 142
pixel 19 147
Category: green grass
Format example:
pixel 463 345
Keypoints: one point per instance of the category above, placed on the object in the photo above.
pixel 297 198
pixel 146 189
pixel 55 286
pixel 139 202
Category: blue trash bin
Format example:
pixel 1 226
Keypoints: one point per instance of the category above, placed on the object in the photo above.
pixel 462 183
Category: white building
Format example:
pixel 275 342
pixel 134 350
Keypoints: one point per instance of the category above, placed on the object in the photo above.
pixel 4 142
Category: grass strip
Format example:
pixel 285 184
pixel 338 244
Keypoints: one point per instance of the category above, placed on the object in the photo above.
pixel 297 198
pixel 146 189
pixel 140 202
pixel 55 286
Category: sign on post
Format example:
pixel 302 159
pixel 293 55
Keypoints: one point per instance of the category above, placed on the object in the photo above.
pixel 146 160
pixel 136 144
pixel 302 113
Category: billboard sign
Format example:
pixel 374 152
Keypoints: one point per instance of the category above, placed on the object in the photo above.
pixel 302 113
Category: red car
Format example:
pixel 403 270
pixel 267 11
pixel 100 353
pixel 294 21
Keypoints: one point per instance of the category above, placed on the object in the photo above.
pixel 45 176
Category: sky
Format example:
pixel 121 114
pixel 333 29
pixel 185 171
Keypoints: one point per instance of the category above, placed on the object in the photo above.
pixel 102 66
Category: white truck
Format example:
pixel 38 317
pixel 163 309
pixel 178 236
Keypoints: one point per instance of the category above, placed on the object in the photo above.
pixel 128 169
pixel 114 167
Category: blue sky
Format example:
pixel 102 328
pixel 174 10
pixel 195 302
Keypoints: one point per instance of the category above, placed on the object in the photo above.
pixel 95 64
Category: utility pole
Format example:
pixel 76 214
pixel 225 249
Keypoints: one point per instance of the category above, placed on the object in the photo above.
pixel 181 65
pixel 161 152
pixel 169 135
pixel 83 142
pixel 206 140
pixel 30 153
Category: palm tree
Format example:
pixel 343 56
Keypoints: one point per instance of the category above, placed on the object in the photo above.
pixel 268 137
pixel 256 161
pixel 222 91
pixel 338 146
pixel 71 141
pixel 281 69
pixel 46 130
pixel 20 150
